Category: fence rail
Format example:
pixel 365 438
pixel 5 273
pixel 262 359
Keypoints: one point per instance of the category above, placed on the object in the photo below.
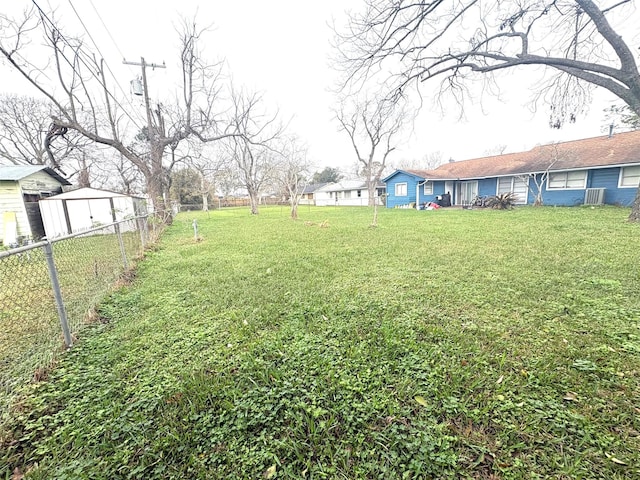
pixel 48 290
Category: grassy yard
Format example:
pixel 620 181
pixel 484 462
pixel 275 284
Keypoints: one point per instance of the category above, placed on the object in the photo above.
pixel 30 331
pixel 443 344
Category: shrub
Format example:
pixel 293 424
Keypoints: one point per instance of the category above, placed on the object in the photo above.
pixel 503 201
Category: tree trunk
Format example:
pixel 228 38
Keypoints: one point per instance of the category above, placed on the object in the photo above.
pixel 374 223
pixel 294 210
pixel 84 179
pixel 253 200
pixel 635 209
pixel 155 192
pixel 205 202
pixel 371 189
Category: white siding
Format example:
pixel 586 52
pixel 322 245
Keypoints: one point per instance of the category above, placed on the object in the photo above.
pixel 39 182
pixel 11 201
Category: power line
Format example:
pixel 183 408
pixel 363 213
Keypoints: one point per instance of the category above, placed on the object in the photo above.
pixel 103 58
pixel 81 59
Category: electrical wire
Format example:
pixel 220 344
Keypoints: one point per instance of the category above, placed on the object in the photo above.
pixel 103 57
pixel 64 39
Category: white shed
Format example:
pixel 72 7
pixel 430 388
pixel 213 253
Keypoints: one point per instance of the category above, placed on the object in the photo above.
pixel 86 208
pixel 21 187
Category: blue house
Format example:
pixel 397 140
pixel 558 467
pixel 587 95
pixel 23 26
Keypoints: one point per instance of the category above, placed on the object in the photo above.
pixel 599 170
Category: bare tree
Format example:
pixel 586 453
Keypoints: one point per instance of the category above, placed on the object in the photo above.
pixel 372 127
pixel 209 163
pixel 81 86
pixel 495 150
pixel 294 172
pixel 429 161
pixel 256 161
pixel 548 157
pixel 24 123
pixel 419 41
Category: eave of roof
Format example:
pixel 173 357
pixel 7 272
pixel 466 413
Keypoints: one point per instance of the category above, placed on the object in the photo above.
pixel 18 172
pixel 596 152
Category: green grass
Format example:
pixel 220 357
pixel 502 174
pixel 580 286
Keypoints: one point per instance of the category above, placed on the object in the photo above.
pixel 30 332
pixel 444 344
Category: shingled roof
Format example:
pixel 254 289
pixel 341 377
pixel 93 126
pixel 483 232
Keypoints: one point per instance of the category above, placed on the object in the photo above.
pixel 619 149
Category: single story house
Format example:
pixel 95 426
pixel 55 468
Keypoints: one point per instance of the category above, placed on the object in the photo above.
pixel 85 208
pixel 599 170
pixel 347 193
pixel 308 194
pixel 21 187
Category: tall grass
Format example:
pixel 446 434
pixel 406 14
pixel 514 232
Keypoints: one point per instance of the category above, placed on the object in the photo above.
pixel 452 343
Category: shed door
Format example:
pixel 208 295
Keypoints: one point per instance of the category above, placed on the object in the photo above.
pixel 34 216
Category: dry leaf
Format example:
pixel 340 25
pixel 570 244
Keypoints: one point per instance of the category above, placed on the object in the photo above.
pixel 270 472
pixel 571 397
pixel 614 459
pixel 500 379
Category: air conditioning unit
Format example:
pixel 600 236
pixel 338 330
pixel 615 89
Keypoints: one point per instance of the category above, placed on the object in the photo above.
pixel 594 196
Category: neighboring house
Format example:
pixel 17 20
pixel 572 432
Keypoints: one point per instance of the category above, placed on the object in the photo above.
pixel 21 187
pixel 308 194
pixel 347 193
pixel 590 171
pixel 86 208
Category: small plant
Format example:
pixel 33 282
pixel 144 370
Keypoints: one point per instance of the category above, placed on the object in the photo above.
pixel 502 201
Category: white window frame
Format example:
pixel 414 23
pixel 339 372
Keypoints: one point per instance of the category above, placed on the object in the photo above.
pixel 566 180
pixel 347 194
pixel 429 190
pixel 404 187
pixel 621 178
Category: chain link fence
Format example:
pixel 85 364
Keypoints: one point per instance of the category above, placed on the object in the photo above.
pixel 48 291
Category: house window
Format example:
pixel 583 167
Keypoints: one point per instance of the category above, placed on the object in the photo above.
pixel 630 177
pixel 515 185
pixel 401 189
pixel 428 188
pixel 359 193
pixel 567 180
pixel 347 194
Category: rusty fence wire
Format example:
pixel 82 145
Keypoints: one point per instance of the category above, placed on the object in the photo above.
pixel 48 291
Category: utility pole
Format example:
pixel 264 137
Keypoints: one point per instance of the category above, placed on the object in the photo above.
pixel 145 90
pixel 157 141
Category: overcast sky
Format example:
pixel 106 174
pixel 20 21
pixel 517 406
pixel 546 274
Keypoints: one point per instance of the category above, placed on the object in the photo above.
pixel 282 48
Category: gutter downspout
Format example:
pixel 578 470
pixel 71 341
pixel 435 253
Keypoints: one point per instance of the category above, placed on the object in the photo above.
pixel 418 185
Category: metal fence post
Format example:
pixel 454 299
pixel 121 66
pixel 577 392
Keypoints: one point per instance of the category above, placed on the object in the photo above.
pixel 121 242
pixel 140 224
pixel 55 285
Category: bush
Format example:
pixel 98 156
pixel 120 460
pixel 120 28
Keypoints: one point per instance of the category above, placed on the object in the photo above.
pixel 503 201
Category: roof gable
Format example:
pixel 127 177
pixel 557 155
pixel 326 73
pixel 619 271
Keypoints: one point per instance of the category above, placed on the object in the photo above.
pixel 87 193
pixel 18 172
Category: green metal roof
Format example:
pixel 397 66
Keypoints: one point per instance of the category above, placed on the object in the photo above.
pixel 18 172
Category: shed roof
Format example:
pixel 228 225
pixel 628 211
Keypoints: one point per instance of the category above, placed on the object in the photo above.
pixel 595 152
pixel 18 172
pixel 87 193
pixel 313 187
